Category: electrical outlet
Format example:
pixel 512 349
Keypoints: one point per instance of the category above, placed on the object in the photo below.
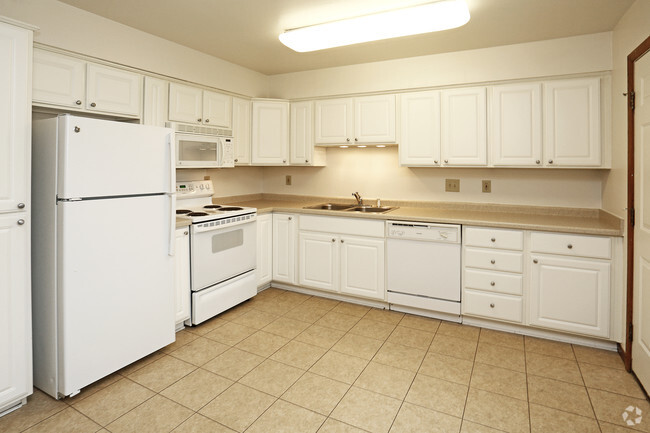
pixel 452 185
pixel 486 186
pixel 287 180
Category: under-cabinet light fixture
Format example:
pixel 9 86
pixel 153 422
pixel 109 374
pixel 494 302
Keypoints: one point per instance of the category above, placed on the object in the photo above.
pixel 430 17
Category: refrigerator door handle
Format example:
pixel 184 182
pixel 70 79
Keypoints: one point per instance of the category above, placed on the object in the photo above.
pixel 171 143
pixel 172 224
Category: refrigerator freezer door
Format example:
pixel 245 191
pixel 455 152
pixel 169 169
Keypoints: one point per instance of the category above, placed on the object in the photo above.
pixel 115 286
pixel 100 158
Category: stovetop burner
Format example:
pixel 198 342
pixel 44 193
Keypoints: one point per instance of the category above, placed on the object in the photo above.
pixel 231 208
pixel 212 206
pixel 183 211
pixel 197 214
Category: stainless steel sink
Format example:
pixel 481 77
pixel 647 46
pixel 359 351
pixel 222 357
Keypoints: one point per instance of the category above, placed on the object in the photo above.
pixel 329 206
pixel 370 209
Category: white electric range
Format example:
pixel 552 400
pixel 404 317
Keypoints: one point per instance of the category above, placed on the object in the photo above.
pixel 223 247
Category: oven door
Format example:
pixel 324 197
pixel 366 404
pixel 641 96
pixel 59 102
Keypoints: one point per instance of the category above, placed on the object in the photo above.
pixel 222 253
pixel 197 151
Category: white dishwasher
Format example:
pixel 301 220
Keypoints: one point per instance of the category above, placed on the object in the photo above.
pixel 423 266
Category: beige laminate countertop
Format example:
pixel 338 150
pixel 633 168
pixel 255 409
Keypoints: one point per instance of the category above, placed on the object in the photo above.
pixel 584 221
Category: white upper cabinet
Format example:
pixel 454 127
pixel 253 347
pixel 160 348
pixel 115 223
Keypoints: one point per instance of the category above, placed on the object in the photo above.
pixel 301 143
pixel 68 82
pixel 572 122
pixel 217 109
pixel 368 119
pixel 270 133
pixel 156 100
pixel 463 126
pixel 241 130
pixel 419 144
pixel 516 125
pixel 193 105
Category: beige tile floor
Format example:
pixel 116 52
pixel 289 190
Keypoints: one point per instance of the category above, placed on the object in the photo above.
pixel 287 362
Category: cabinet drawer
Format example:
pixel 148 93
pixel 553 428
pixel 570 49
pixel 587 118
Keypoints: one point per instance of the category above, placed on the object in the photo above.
pixel 571 245
pixel 493 281
pixel 494 306
pixel 494 238
pixel 493 260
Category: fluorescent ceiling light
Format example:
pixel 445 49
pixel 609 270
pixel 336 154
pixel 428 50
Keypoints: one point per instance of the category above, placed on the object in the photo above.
pixel 431 17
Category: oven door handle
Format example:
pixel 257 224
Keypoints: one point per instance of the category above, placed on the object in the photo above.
pixel 171 248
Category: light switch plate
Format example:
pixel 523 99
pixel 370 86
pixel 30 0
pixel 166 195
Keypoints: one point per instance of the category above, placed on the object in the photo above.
pixel 452 185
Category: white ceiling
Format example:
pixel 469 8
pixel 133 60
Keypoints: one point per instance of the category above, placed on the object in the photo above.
pixel 245 32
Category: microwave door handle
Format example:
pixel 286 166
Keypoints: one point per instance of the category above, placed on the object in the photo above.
pixel 220 150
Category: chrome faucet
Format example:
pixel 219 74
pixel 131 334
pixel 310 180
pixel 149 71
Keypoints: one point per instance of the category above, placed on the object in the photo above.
pixel 358 197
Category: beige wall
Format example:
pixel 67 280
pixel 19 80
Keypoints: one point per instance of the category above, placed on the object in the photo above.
pixel 575 55
pixel 227 181
pixel 376 173
pixel 631 30
pixel 73 29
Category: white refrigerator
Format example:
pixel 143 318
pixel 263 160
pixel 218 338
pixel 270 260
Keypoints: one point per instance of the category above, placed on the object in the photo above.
pixel 102 248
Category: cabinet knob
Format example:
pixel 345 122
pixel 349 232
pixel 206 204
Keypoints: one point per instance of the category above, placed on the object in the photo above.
pixel 538 162
pixel 290 218
pixel 207 120
pixel 21 205
pixel 492 283
pixel 78 102
pixel 435 161
pixel 186 233
pixel 236 160
pixel 492 305
pixel 550 161
pixel 446 161
pixel 356 139
pixel 535 261
pixel 347 139
pixel 493 261
pixel 342 241
pixel 306 160
pixel 21 222
pixel 284 160
pixel 570 246
pixel 199 120
pixel 92 104
pixel 77 129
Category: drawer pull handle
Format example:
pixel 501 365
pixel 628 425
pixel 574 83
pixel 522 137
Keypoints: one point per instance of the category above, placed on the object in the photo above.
pixel 569 246
pixel 535 261
pixel 493 240
pixel 492 283
pixel 492 305
pixel 493 261
pixel 92 104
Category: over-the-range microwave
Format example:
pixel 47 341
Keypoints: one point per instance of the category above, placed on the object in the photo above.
pixel 203 146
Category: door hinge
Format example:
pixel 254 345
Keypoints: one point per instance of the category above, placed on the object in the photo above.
pixel 632 217
pixel 630 332
pixel 632 98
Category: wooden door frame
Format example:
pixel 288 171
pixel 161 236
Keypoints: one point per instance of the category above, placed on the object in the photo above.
pixel 636 54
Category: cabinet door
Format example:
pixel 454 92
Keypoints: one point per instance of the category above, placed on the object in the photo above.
pixel 570 295
pixel 15 309
pixel 302 136
pixel 463 125
pixel 217 109
pixel 110 90
pixel 182 277
pixel 156 101
pixel 362 267
pixel 264 249
pixel 572 122
pixel 58 80
pixel 15 118
pixel 319 261
pixel 334 121
pixel 516 125
pixel 185 103
pixel 241 130
pixel 284 248
pixel 374 119
pixel 419 144
pixel 270 133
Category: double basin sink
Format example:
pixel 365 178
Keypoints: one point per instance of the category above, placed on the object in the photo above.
pixel 351 208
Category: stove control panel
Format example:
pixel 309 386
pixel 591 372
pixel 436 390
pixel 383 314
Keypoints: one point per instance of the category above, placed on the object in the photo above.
pixel 194 188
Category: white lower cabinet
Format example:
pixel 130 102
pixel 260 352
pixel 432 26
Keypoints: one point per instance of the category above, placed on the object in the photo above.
pixel 333 259
pixel 182 281
pixel 264 249
pixel 284 248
